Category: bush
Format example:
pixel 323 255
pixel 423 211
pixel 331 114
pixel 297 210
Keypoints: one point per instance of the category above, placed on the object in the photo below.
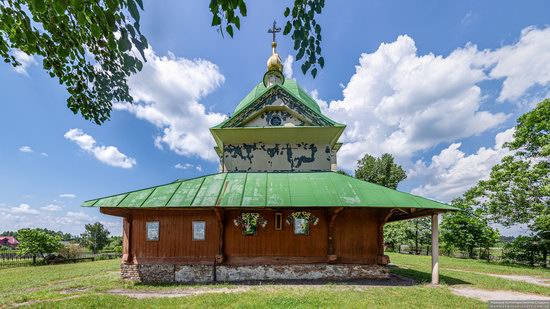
pixel 525 250
pixel 71 251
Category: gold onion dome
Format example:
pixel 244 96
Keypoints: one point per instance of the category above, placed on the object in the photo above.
pixel 274 62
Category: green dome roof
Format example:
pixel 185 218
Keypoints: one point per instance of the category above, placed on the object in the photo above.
pixel 289 85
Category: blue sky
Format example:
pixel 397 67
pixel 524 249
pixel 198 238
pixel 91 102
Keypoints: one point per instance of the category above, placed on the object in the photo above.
pixel 438 84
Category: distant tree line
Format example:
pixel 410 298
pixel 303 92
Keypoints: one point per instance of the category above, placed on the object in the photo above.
pixel 40 242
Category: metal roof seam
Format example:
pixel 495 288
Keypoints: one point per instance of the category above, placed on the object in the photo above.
pixel 196 193
pixel 127 194
pixel 244 186
pixel 222 187
pixel 173 193
pixel 149 195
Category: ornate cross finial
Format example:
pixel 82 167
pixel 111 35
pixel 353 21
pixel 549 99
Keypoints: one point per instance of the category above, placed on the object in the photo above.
pixel 274 30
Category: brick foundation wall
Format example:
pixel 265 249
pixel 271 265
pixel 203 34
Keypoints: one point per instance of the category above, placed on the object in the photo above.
pixel 167 273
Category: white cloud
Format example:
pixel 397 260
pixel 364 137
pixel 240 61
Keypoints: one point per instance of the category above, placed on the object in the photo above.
pixel 522 65
pixel 183 166
pixel 452 172
pixel 27 149
pixel 25 60
pixel 67 195
pixel 287 66
pixel 167 93
pixel 107 154
pixel 187 166
pixel 401 102
pixel 467 18
pixel 51 207
pixel 404 103
pixel 24 209
pixel 73 222
pixel 79 216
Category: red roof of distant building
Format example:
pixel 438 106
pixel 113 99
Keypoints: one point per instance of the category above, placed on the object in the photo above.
pixel 8 240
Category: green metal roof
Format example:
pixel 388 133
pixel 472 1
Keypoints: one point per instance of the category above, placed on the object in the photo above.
pixel 289 85
pixel 283 189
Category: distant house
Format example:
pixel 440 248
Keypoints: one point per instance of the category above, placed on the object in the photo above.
pixel 8 241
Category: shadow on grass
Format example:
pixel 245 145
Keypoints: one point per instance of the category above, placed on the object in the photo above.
pixel 424 277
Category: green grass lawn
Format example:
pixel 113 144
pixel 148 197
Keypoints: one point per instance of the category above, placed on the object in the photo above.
pixel 452 272
pixel 87 284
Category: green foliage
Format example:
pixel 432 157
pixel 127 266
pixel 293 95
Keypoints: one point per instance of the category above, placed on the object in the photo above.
pixel 61 235
pixel 466 230
pixel 301 25
pixel 530 250
pixel 9 233
pixel 518 190
pixel 225 14
pixel 306 33
pixel 383 171
pixel 96 236
pixel 415 233
pixel 343 172
pixel 91 46
pixel 37 242
pixel 86 45
pixel 71 251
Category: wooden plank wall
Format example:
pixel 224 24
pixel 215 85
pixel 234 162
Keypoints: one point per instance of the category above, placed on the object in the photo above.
pixel 175 242
pixel 356 231
pixel 270 242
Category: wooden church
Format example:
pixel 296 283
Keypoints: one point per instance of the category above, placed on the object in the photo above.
pixel 276 210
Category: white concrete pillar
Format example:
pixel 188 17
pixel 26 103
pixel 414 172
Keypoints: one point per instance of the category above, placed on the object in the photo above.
pixel 435 249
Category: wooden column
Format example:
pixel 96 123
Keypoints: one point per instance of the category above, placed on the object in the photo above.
pixel 330 235
pixel 381 258
pixel 435 249
pixel 127 257
pixel 221 234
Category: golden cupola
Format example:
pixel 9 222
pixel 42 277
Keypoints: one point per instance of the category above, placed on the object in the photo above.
pixel 274 74
pixel 274 62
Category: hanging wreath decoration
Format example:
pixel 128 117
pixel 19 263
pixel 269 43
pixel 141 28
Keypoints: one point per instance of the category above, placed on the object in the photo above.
pixel 301 220
pixel 250 221
pixel 311 219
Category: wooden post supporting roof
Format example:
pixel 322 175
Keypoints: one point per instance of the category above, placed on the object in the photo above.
pixel 221 234
pixel 127 257
pixel 435 249
pixel 330 235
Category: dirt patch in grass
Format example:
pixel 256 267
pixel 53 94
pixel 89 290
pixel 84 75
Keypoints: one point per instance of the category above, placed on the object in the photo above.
pixel 75 290
pixel 176 292
pixel 522 278
pixel 487 295
pixel 528 279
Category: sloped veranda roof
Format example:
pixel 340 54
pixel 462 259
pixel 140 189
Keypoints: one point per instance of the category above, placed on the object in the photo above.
pixel 281 189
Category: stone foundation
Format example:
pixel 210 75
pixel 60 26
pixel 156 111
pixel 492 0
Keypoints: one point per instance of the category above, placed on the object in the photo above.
pixel 170 273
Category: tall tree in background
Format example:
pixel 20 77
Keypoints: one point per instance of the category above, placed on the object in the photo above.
pixel 96 237
pixel 518 190
pixel 383 171
pixel 467 230
pixel 91 46
pixel 37 242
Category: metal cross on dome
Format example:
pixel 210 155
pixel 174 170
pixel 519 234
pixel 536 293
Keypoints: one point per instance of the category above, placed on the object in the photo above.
pixel 274 30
